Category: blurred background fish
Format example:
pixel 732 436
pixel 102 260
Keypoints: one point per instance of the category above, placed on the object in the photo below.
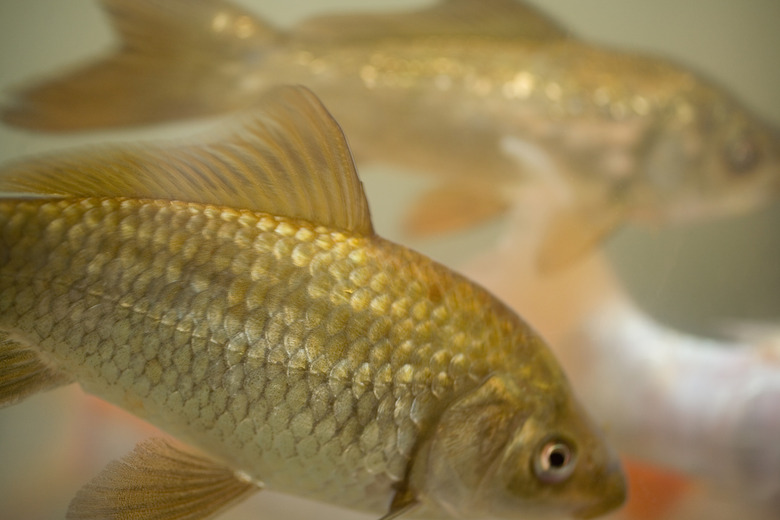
pixel 491 94
pixel 694 277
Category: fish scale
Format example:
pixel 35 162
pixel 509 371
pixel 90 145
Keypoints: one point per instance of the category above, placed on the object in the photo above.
pixel 236 296
pixel 314 356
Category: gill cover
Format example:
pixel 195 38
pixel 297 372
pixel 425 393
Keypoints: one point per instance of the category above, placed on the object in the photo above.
pixel 466 445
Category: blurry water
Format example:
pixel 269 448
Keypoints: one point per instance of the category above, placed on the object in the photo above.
pixel 692 277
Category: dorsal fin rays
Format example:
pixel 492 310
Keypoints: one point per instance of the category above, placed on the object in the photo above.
pixel 289 158
pixel 154 26
pixel 503 19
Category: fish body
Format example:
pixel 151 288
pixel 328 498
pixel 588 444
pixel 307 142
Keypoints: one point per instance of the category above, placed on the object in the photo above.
pixel 236 296
pixel 487 94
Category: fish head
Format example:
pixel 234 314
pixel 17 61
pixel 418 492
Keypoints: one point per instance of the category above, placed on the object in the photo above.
pixel 508 450
pixel 710 157
pixel 558 464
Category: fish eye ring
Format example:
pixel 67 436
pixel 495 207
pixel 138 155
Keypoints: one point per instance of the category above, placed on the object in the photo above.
pixel 555 461
pixel 742 156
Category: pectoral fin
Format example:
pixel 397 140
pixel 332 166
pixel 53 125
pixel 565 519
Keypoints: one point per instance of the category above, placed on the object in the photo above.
pixel 403 503
pixel 158 481
pixel 23 373
pixel 575 232
pixel 452 208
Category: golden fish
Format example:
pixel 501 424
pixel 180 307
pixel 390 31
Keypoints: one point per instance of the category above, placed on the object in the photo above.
pixel 487 93
pixel 236 296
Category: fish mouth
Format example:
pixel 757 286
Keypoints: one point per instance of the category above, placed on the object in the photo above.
pixel 614 492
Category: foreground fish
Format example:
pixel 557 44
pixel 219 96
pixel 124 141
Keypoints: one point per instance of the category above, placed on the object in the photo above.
pixel 236 296
pixel 699 408
pixel 475 90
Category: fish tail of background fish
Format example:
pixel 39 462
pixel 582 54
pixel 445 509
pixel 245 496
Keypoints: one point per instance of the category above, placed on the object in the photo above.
pixel 180 59
pixel 175 59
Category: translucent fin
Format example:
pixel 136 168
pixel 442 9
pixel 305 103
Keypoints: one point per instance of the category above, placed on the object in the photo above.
pixel 22 373
pixel 403 504
pixel 289 158
pixel 454 18
pixel 158 481
pixel 573 234
pixel 453 208
pixel 176 59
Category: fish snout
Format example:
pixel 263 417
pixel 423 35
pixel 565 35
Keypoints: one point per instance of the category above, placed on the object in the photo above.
pixel 612 490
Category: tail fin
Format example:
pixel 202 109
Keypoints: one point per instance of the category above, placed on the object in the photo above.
pixel 177 59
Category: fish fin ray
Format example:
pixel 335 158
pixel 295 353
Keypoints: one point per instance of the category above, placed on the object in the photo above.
pixel 453 208
pixel 152 26
pixel 403 504
pixel 23 373
pixel 575 232
pixel 450 18
pixel 171 63
pixel 288 158
pixel 160 481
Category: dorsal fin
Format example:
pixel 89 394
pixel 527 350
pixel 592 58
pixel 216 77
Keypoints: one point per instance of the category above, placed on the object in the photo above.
pixel 501 19
pixel 163 26
pixel 290 158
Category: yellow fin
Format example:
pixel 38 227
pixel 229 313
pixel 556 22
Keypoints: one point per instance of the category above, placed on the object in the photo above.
pixel 452 208
pixel 574 233
pixel 452 18
pixel 158 481
pixel 290 158
pixel 171 63
pixel 22 373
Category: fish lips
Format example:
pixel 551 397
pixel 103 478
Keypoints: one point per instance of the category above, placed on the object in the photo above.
pixel 612 479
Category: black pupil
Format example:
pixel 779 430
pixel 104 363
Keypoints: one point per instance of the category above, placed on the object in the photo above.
pixel 557 459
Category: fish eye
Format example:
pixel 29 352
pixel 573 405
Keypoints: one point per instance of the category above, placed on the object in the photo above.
pixel 555 461
pixel 742 155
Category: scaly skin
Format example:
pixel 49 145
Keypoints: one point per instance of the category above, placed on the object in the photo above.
pixel 311 360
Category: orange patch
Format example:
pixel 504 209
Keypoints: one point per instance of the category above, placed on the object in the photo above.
pixel 653 492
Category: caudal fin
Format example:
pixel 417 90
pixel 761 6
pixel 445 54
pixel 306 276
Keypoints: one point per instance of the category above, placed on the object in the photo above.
pixel 176 59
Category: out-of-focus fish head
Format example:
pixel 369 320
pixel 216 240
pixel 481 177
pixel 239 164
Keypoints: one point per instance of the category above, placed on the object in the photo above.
pixel 712 157
pixel 512 451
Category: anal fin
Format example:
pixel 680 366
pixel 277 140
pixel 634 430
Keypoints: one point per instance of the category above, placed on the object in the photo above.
pixel 23 373
pixel 158 481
